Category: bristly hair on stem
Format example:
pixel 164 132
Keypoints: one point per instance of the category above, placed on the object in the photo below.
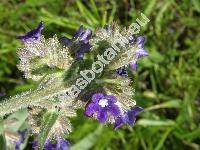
pixel 54 63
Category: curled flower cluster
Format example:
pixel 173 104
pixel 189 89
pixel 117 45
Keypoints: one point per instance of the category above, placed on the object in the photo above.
pixel 55 64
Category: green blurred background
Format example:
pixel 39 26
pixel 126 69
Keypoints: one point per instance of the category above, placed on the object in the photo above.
pixel 168 80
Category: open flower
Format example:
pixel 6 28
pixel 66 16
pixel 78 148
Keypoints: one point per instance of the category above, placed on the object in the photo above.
pixel 79 42
pixel 32 36
pixel 128 118
pixel 104 106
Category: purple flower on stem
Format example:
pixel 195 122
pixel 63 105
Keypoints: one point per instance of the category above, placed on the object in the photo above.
pixel 35 144
pixel 78 33
pixel 80 41
pixel 49 146
pixel 133 65
pixel 32 36
pixel 103 105
pixel 140 41
pixel 22 137
pixel 85 36
pixel 83 49
pixel 140 52
pixel 128 118
pixel 61 144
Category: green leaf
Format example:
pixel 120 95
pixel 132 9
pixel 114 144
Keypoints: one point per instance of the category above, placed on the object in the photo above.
pixel 48 121
pixel 147 122
pixel 196 4
pixel 86 13
pixel 95 9
pixel 162 140
pixel 168 104
pixel 87 142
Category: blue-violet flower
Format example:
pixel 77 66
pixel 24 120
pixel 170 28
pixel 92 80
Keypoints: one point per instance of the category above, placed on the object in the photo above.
pixel 61 144
pixel 104 106
pixel 128 118
pixel 140 52
pixel 32 36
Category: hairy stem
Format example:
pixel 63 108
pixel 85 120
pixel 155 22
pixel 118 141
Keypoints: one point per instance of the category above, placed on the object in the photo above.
pixel 32 98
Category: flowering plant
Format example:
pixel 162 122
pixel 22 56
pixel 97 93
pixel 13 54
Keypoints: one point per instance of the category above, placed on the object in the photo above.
pixel 60 67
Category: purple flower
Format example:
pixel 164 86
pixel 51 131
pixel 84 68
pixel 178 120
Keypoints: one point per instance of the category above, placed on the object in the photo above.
pixel 85 36
pixel 78 33
pixel 140 41
pixel 133 65
pixel 79 42
pixel 32 36
pixel 83 49
pixel 128 118
pixel 122 71
pixel 35 144
pixel 49 146
pixel 140 52
pixel 103 105
pixel 22 135
pixel 61 144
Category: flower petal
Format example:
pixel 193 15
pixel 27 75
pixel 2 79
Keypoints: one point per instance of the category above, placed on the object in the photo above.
pixel 78 33
pixel 130 115
pixel 96 97
pixel 102 115
pixel 111 98
pixel 141 53
pixel 48 145
pixel 118 122
pixel 83 49
pixel 35 144
pixel 86 35
pixel 65 41
pixel 91 109
pixel 33 35
pixel 140 41
pixel 62 144
pixel 114 110
pixel 133 65
pixel 136 110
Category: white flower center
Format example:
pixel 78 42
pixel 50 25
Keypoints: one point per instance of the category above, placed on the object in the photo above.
pixel 103 102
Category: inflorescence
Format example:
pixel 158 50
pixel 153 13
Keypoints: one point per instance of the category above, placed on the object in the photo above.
pixel 56 64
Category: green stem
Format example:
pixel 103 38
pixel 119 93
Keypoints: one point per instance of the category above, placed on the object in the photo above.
pixel 31 98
